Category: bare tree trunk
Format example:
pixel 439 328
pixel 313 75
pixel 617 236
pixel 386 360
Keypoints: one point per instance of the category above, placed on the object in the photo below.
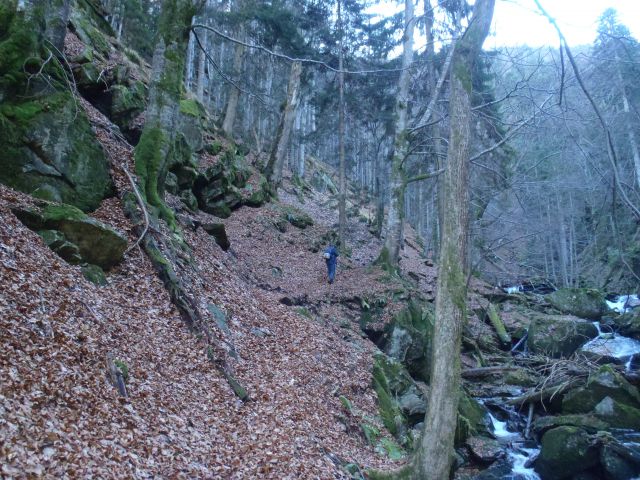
pixel 275 165
pixel 397 182
pixel 342 195
pixel 201 69
pixel 234 95
pixel 627 123
pixel 434 455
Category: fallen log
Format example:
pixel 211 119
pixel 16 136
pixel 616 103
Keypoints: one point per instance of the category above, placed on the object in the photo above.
pixel 486 371
pixel 547 393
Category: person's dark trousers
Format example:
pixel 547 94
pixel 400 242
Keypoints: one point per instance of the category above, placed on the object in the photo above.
pixel 331 267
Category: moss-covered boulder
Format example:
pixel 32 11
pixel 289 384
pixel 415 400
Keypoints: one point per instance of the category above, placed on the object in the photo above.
pixel 127 102
pixel 604 383
pixel 93 242
pixel 189 200
pixel 588 422
pixel 581 302
pixel 619 461
pixel 256 193
pixel 472 419
pixel 57 242
pixel 391 381
pixel 565 452
pixel 88 22
pixel 558 335
pixel 48 149
pixel 94 274
pixel 218 188
pixel 617 415
pixel 296 217
pixel 408 338
pixel 191 123
pixel 627 324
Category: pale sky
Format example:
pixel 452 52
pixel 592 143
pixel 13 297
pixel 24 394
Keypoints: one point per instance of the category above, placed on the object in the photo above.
pixel 517 22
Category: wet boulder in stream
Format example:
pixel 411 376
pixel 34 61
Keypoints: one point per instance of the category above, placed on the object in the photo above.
pixel 604 383
pixel 627 324
pixel 581 302
pixel 565 452
pixel 558 335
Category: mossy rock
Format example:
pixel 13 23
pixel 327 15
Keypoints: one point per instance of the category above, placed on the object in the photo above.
pixel 619 462
pixel 180 152
pixel 189 200
pixel 191 123
pixel 558 335
pixel 521 377
pixel 588 422
pixel 391 449
pixel 323 182
pixel 219 188
pixel 127 102
pixel 214 148
pixel 604 383
pixel 94 274
pixel 256 196
pixel 171 183
pixel 628 324
pixel 296 217
pixel 48 148
pixel 565 452
pixel 472 419
pixel 618 415
pixel 185 175
pixel 581 302
pixel 91 28
pixel 97 243
pixel 57 242
pixel 390 379
pixel 408 338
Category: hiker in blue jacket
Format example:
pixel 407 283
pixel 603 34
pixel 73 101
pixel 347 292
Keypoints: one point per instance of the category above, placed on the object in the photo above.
pixel 331 257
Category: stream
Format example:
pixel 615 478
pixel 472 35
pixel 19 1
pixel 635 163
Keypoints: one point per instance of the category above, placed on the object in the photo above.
pixel 517 453
pixel 612 346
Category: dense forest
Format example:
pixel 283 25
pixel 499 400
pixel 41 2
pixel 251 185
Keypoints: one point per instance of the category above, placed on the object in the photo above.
pixel 171 172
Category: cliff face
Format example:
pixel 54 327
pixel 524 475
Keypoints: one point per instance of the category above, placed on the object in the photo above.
pixel 172 359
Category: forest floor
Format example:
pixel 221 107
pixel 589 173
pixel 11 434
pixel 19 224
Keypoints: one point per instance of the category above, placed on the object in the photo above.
pixel 60 416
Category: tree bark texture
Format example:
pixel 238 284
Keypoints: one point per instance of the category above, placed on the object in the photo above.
pixel 434 455
pixel 397 182
pixel 342 193
pixel 275 165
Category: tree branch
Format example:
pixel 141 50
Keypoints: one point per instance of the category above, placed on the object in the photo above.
pixel 610 147
pixel 294 59
pixel 424 176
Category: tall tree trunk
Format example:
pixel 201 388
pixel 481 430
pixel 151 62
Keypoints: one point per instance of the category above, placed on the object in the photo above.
pixel 397 182
pixel 434 456
pixel 234 94
pixel 342 195
pixel 275 165
pixel 202 62
pixel 627 122
pixel 151 153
